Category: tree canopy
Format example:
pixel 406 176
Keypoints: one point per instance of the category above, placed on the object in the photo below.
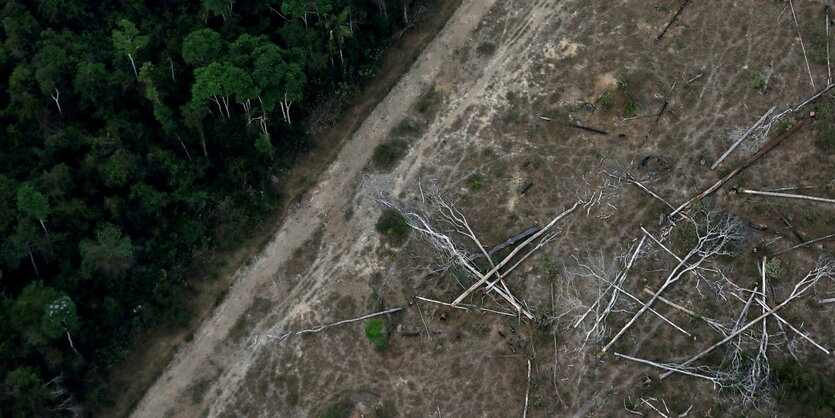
pixel 139 139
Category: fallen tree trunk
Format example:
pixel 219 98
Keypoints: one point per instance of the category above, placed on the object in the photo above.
pixel 673 20
pixel 804 244
pixel 764 150
pixel 507 259
pixel 788 196
pixel 742 138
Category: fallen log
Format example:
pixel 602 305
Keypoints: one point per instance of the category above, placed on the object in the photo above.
pixel 673 20
pixel 586 128
pixel 742 138
pixel 804 244
pixel 788 195
pixel 507 259
pixel 764 150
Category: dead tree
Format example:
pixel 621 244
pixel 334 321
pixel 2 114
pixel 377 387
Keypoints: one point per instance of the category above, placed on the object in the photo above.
pixel 717 232
pixel 824 269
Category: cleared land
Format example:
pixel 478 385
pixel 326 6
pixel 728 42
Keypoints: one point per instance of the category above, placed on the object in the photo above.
pixel 486 114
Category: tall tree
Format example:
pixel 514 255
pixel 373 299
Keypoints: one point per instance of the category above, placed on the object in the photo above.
pixel 128 40
pixel 32 203
pixel 202 47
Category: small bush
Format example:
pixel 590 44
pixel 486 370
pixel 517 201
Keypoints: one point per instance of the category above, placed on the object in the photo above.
pixel 388 154
pixel 685 236
pixel 376 333
pixel 629 109
pixel 393 226
pixel 787 124
pixel 826 140
pixel 485 48
pixel 548 266
pixel 475 185
pixel 407 128
pixel 758 82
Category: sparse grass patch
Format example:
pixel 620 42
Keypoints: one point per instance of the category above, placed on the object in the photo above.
pixel 375 331
pixel 407 128
pixel 393 225
pixel 198 390
pixel 341 409
pixel 388 154
pixel 684 236
pixel 548 266
pixel 429 103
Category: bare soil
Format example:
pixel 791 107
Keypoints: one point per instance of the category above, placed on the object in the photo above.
pixel 494 96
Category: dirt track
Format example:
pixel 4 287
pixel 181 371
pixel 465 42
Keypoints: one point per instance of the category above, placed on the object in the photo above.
pixel 327 201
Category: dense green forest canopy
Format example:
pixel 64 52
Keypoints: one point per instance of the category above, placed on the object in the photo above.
pixel 137 136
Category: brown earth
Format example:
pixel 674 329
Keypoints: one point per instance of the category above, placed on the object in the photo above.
pixel 489 101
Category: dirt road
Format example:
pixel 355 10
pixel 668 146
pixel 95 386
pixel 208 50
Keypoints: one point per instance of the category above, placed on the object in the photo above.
pixel 326 201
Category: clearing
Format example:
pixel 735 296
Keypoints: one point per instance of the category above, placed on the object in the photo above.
pixel 492 114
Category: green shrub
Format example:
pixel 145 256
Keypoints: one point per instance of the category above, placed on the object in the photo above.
pixel 684 236
pixel 787 124
pixel 607 100
pixel 773 269
pixel 629 109
pixel 758 82
pixel 808 389
pixel 388 154
pixel 407 128
pixel 393 225
pixel 548 266
pixel 475 185
pixel 485 48
pixel 826 140
pixel 375 331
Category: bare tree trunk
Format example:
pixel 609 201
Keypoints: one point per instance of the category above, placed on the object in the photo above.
pixel 788 196
pixel 32 259
pixel 742 138
pixel 57 103
pixel 764 150
pixel 171 65
pixel 133 65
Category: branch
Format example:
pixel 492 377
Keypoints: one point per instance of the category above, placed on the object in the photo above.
pixel 764 150
pixel 742 138
pixel 346 321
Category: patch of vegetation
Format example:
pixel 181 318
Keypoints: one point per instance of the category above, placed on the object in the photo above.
pixel 341 409
pixel 629 109
pixel 388 154
pixel 548 266
pixel 511 96
pixel 684 236
pixel 475 185
pixel 786 124
pixel 758 81
pixel 386 410
pixel 393 225
pixel 198 391
pixel 407 128
pixel 807 389
pixel 773 269
pixel 485 49
pixel 826 139
pixel 375 331
pixel 429 103
pixel 607 100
